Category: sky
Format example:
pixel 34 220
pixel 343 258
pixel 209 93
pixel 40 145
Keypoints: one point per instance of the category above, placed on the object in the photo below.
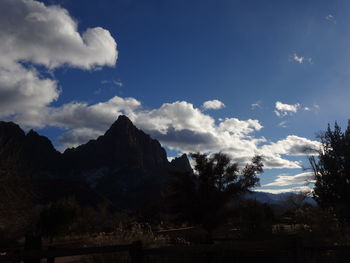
pixel 241 77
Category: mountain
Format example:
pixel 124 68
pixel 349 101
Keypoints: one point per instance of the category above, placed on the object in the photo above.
pixel 125 165
pixel 25 154
pixel 275 199
pixel 123 145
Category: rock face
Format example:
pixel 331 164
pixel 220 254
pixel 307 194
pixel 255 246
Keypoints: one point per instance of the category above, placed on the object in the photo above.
pixel 124 165
pixel 181 164
pixel 123 145
pixel 25 154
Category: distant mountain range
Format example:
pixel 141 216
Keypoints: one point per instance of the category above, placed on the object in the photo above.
pixel 275 199
pixel 125 165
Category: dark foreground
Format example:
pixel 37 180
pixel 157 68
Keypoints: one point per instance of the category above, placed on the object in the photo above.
pixel 261 251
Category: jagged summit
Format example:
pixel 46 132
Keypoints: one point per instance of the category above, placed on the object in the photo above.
pixel 122 145
pixel 125 165
pixel 25 154
pixel 182 164
pixel 122 123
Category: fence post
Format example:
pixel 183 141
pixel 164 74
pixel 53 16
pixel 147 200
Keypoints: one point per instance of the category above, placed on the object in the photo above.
pixel 32 242
pixel 298 251
pixel 135 252
pixel 51 259
pixel 16 252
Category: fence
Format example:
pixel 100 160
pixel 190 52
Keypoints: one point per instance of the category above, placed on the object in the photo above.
pixel 297 252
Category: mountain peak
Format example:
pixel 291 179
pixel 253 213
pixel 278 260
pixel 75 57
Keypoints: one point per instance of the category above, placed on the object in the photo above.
pixel 122 123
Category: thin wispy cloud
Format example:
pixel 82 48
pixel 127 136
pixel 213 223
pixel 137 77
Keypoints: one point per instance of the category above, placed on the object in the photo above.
pixel 283 124
pixel 285 180
pixel 330 18
pixel 256 105
pixel 117 83
pixel 301 59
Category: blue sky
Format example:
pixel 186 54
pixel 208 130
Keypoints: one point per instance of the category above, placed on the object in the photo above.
pixel 279 71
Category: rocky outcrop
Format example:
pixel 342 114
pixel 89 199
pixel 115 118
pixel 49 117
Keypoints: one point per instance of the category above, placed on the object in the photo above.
pixel 181 164
pixel 26 154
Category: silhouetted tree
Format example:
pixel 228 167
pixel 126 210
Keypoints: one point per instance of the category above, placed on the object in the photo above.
pixel 332 171
pixel 204 197
pixel 256 218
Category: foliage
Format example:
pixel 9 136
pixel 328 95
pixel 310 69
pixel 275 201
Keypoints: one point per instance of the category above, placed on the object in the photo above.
pixel 256 218
pixel 332 171
pixel 203 197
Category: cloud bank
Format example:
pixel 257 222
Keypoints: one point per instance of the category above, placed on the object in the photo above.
pixel 179 126
pixel 33 34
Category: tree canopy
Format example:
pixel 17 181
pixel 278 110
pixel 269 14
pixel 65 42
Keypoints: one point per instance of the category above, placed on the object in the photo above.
pixel 332 171
pixel 202 197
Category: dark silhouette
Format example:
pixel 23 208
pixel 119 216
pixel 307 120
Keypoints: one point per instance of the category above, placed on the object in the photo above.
pixel 204 197
pixel 332 171
pixel 125 165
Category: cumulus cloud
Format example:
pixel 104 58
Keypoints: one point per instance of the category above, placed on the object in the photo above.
pixel 32 34
pixel 179 126
pixel 282 109
pixel 285 180
pixel 213 105
pixel 74 137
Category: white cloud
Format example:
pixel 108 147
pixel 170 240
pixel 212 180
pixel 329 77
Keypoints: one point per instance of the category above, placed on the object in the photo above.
pixel 283 124
pixel 256 105
pixel 297 189
pixel 330 18
pixel 301 59
pixel 213 105
pixel 117 83
pixel 282 109
pixel 293 145
pixel 285 180
pixel 33 34
pixel 179 126
pixel 74 137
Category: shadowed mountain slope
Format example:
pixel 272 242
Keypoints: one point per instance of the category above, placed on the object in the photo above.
pixel 125 165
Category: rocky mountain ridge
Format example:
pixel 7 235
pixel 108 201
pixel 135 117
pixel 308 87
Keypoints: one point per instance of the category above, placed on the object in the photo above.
pixel 125 165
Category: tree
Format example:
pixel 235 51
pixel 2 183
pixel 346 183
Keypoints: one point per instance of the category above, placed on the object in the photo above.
pixel 204 197
pixel 332 171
